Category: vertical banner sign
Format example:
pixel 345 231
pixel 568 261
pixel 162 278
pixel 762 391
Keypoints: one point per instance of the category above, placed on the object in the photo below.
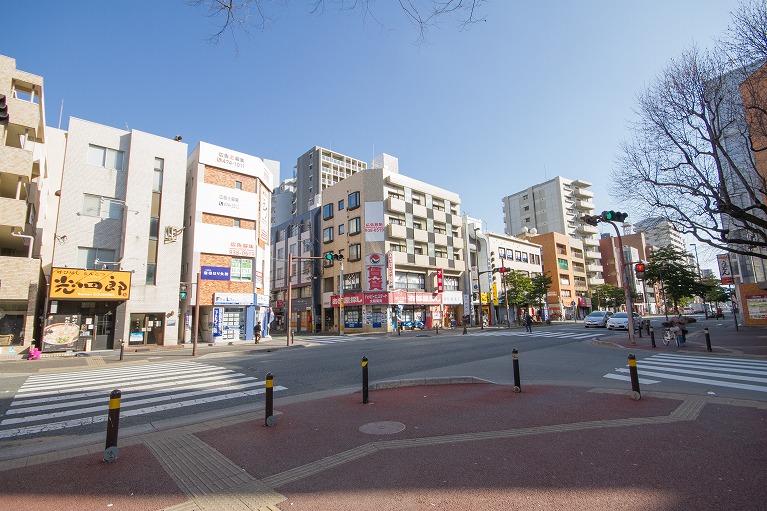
pixel 725 272
pixel 374 272
pixel 390 270
pixel 495 294
pixel 440 288
pixel 374 221
pixel 263 221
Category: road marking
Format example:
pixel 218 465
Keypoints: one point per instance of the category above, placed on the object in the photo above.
pixel 49 402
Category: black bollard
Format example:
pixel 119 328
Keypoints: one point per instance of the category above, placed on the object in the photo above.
pixel 640 330
pixel 122 350
pixel 113 425
pixel 652 338
pixel 515 365
pixel 364 380
pixel 464 329
pixel 647 325
pixel 708 339
pixel 269 419
pixel 635 394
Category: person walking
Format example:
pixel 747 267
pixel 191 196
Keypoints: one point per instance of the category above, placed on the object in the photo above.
pixel 528 322
pixel 257 332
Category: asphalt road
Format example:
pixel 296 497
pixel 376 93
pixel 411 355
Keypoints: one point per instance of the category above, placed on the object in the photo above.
pixel 65 398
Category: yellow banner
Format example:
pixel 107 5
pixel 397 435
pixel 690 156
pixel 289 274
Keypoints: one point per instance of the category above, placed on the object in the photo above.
pixel 76 284
pixel 495 294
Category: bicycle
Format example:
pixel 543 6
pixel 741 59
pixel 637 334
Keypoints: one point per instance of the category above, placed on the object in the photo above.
pixel 668 335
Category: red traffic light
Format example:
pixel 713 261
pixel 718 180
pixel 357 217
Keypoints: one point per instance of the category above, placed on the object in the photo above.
pixel 640 267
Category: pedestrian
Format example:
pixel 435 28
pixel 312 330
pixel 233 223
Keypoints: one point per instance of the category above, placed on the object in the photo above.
pixel 679 329
pixel 528 322
pixel 257 332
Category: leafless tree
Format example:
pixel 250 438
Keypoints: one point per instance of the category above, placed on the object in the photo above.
pixel 243 15
pixel 691 158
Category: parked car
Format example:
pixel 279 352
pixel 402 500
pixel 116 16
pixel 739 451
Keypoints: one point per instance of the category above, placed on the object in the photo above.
pixel 689 310
pixel 597 319
pixel 620 321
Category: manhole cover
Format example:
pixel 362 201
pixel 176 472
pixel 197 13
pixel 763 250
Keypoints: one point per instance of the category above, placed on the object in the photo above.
pixel 382 428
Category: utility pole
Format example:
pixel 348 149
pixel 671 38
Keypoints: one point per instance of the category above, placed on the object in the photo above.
pixel 341 303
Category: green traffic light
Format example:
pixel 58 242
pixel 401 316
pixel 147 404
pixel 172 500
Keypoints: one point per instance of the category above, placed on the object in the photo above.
pixel 330 256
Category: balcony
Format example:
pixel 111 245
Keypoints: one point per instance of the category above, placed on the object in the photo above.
pixel 395 205
pixel 593 268
pixel 420 235
pixel 440 216
pixel 590 242
pixel 16 162
pixel 587 229
pixel 16 274
pixel 596 281
pixel 590 254
pixel 419 211
pixel 24 113
pixel 394 231
pixel 583 193
pixel 13 212
pixel 584 204
pixel 440 240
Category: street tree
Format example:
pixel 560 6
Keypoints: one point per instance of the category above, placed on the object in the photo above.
pixel 608 296
pixel 677 279
pixel 518 287
pixel 687 158
pixel 235 16
pixel 539 287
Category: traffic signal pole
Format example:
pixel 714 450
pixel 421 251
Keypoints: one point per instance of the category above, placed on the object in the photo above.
pixel 626 289
pixel 290 297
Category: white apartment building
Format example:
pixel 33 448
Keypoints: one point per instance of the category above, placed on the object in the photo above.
pixel 490 251
pixel 115 270
pixel 557 206
pixel 318 169
pixel 227 243
pixel 403 251
pixel 659 232
pixel 284 202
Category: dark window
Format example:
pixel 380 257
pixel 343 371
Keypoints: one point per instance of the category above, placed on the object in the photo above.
pixel 354 200
pixel 327 211
pixel 327 235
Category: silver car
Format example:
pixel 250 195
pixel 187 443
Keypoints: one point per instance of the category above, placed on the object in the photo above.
pixel 620 320
pixel 597 319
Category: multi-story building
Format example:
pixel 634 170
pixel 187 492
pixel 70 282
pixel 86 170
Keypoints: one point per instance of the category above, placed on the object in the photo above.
pixel 318 169
pixel 564 260
pixel 299 237
pixel 557 206
pixel 115 270
pixel 488 252
pixel 659 232
pixel 24 184
pixel 635 249
pixel 227 243
pixel 284 202
pixel 403 251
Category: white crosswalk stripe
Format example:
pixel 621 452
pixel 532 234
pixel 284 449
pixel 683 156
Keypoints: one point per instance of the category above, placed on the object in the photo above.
pixel 331 339
pixel 66 400
pixel 736 373
pixel 561 334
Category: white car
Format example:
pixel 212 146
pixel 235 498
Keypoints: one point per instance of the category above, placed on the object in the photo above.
pixel 620 321
pixel 597 319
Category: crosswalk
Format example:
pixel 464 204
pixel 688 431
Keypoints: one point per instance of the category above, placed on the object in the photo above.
pixel 736 373
pixel 57 401
pixel 561 334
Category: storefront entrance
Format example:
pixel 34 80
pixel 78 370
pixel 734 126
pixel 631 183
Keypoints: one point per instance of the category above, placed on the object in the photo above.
pixel 233 324
pixel 146 329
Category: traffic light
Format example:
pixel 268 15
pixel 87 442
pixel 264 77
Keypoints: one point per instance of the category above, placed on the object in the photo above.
pixel 501 270
pixel 590 219
pixel 614 216
pixel 474 296
pixel 639 269
pixel 3 111
pixel 182 292
pixel 330 256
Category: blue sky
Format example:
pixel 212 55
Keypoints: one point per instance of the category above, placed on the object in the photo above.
pixel 542 88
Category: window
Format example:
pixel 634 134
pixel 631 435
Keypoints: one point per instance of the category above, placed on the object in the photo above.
pixel 341 205
pixel 341 229
pixel 236 222
pixel 417 225
pixel 502 252
pixel 450 283
pixel 238 185
pixel 354 225
pixel 396 221
pixel 418 250
pixel 440 253
pixel 406 280
pixel 527 208
pixel 396 195
pixel 241 270
pixel 327 235
pixel 566 293
pixel 524 197
pixel 86 258
pixel 353 200
pixel 327 211
pixel 95 205
pixel 355 252
pixel 517 255
pixel 439 230
pixel 564 280
pixel 527 220
pixel 104 157
pixel 159 166
pixel 352 281
pixel 562 263
pixel 396 248
pixel 417 200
